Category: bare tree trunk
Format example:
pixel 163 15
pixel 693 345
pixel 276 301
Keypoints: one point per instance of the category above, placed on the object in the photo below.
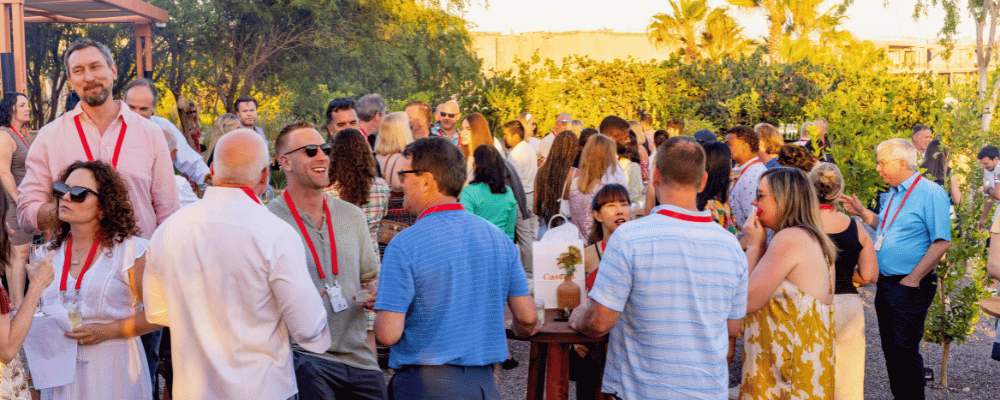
pixel 989 13
pixel 944 364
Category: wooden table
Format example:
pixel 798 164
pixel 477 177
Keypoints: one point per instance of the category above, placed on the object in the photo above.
pixel 548 367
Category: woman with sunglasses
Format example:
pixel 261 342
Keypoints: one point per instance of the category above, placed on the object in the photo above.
pixel 15 115
pixel 788 332
pixel 99 261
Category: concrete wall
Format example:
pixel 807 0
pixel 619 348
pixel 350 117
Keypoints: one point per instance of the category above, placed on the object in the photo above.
pixel 498 50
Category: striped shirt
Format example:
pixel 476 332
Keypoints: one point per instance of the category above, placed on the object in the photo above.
pixel 675 283
pixel 453 292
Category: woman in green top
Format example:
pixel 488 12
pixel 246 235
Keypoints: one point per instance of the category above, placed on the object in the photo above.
pixel 487 196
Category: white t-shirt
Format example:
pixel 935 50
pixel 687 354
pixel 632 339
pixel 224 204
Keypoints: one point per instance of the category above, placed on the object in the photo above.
pixel 525 161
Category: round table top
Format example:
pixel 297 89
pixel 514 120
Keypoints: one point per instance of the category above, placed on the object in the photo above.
pixel 991 306
pixel 556 332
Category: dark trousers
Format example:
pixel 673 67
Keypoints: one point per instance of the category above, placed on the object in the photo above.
pixel 901 313
pixel 443 382
pixel 322 379
pixel 151 344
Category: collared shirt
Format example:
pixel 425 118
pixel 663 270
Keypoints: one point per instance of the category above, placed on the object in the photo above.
pixel 546 145
pixel 453 293
pixel 229 279
pixel 772 164
pixel 437 131
pixel 922 220
pixel 188 161
pixel 144 163
pixel 355 262
pixel 745 190
pixel 675 283
pixel 185 194
pixel 525 160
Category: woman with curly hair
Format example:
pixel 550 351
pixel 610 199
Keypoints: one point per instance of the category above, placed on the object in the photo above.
pixel 99 261
pixel 353 178
pixel 795 156
pixel 551 181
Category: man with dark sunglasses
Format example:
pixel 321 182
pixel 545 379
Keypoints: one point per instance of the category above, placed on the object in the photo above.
pixel 340 115
pixel 447 115
pixel 334 233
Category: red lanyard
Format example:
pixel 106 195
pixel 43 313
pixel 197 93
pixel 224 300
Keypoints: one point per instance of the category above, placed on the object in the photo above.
pixel 825 207
pixel 83 270
pixel 757 161
pixel 250 193
pixel 441 207
pixel 19 136
pixel 604 244
pixel 900 205
pixel 86 147
pixel 685 217
pixel 305 234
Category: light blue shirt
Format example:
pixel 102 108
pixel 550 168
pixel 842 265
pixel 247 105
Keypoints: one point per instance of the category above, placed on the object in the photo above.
pixel 453 292
pixel 923 220
pixel 676 283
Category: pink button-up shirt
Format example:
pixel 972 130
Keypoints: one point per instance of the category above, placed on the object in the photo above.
pixel 144 163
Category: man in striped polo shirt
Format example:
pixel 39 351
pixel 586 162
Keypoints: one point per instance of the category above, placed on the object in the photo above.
pixel 678 281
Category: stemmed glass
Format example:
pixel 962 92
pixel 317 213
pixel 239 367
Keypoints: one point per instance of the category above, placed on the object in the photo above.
pixel 35 258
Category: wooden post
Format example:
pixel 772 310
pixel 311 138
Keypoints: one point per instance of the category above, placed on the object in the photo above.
pixel 143 51
pixel 20 60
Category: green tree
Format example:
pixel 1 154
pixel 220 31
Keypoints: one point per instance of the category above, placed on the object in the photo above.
pixel 682 28
pixel 723 36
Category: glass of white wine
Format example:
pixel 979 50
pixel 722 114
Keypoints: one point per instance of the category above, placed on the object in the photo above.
pixel 35 258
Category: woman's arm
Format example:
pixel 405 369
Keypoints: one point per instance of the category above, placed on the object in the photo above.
pixel 133 326
pixel 867 272
pixel 7 149
pixel 14 330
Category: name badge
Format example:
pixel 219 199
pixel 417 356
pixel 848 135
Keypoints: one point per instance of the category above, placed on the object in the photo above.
pixel 878 242
pixel 337 301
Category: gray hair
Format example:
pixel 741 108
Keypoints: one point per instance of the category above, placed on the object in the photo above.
pixel 171 140
pixel 393 133
pixel 900 149
pixel 803 130
pixel 369 105
pixel 242 161
pixel 83 43
pixel 148 84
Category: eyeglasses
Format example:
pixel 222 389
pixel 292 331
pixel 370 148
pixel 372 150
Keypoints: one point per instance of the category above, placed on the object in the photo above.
pixel 341 103
pixel 449 115
pixel 312 149
pixel 403 173
pixel 77 194
pixel 883 163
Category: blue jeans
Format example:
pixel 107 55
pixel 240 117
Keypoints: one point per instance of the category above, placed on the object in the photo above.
pixel 901 313
pixel 443 382
pixel 151 344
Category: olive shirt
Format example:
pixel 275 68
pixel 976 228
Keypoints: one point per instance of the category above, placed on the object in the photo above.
pixel 356 261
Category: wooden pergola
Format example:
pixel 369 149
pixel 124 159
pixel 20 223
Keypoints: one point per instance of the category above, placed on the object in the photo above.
pixel 18 12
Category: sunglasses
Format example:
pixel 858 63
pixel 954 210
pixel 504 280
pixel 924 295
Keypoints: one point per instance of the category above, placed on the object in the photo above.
pixel 449 115
pixel 403 173
pixel 341 103
pixel 312 149
pixel 564 121
pixel 192 112
pixel 77 194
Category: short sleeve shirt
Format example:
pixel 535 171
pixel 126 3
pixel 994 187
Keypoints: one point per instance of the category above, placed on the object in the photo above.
pixel 923 219
pixel 675 283
pixel 453 292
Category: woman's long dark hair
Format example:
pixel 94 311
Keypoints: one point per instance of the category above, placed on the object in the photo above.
pixel 551 178
pixel 490 168
pixel 607 194
pixel 7 108
pixel 352 166
pixel 718 163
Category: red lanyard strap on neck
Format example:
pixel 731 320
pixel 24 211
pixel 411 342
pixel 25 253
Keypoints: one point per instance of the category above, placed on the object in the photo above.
pixel 908 191
pixel 685 217
pixel 86 265
pixel 826 207
pixel 250 193
pixel 19 136
pixel 86 146
pixel 305 234
pixel 441 207
pixel 757 161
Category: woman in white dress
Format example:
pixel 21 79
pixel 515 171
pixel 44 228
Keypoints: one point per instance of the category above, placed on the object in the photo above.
pixel 97 242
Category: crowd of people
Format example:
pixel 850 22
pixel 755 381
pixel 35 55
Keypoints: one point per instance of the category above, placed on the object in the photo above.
pixel 177 248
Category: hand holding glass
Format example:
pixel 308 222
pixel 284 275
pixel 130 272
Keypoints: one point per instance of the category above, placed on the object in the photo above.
pixel 40 272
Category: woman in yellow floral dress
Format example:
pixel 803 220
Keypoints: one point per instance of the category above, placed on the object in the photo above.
pixel 788 334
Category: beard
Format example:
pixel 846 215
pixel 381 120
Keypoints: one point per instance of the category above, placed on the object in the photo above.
pixel 95 100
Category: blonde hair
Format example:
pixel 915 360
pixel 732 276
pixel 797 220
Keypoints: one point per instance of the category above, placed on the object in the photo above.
pixel 575 126
pixel 827 181
pixel 393 133
pixel 529 130
pixel 770 139
pixel 598 156
pixel 225 123
pixel 637 128
pixel 798 205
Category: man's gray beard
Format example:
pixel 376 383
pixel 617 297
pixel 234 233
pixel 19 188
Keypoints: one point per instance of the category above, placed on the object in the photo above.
pixel 95 101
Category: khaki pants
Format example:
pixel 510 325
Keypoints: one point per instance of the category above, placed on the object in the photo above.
pixel 849 351
pixel 525 232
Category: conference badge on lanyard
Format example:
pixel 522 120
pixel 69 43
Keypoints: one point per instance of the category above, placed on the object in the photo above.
pixel 336 293
pixel 883 229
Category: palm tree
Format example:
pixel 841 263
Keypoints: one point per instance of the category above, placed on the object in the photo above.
pixel 777 14
pixel 682 28
pixel 723 36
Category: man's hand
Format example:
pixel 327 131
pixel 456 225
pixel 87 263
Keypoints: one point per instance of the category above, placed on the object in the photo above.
pixel 909 281
pixel 852 204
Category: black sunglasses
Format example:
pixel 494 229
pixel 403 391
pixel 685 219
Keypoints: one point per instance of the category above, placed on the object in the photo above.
pixel 449 115
pixel 77 194
pixel 403 173
pixel 312 149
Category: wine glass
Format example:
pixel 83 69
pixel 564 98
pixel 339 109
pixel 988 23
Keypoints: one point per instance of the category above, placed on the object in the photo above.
pixel 35 258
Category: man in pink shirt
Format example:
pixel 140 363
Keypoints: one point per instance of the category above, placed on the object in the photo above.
pixel 98 128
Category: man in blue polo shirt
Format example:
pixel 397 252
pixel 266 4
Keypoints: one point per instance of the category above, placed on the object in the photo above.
pixel 671 289
pixel 441 302
pixel 913 232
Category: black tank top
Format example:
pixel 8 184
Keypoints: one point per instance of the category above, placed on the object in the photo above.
pixel 848 251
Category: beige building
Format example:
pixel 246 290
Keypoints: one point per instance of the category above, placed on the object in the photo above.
pixel 498 51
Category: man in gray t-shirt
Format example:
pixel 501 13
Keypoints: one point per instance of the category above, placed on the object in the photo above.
pixel 339 258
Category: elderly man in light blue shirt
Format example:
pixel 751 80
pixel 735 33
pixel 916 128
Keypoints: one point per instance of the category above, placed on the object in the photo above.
pixel 913 232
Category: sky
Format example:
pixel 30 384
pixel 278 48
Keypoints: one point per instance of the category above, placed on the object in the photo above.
pixel 866 19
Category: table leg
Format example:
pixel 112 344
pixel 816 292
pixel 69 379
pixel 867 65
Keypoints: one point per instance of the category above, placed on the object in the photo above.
pixel 536 371
pixel 557 381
